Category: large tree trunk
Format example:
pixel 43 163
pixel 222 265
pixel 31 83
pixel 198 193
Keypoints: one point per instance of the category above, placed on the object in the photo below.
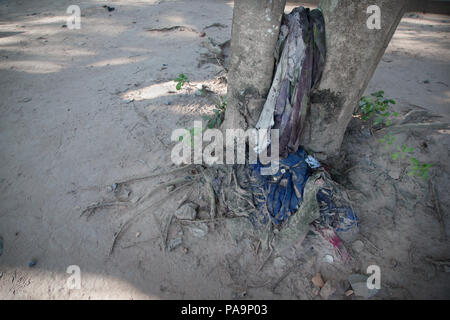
pixel 353 53
pixel 256 24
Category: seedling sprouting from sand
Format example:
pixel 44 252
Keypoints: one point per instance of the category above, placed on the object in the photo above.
pixel 376 106
pixel 388 140
pixel 419 169
pixel 402 152
pixel 213 121
pixel 180 80
pixel 217 118
pixel 190 133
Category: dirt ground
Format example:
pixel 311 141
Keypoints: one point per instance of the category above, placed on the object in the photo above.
pixel 83 109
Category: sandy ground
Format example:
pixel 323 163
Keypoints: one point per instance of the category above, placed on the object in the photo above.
pixel 82 109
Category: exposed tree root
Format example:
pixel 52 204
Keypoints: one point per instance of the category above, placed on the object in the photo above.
pixel 438 211
pixel 418 126
pixel 123 228
pixel 90 210
pixel 172 28
pixel 146 177
pixel 211 195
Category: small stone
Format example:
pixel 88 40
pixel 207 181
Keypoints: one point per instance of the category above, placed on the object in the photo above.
pixel 394 172
pixel 327 290
pixel 187 211
pixel 358 246
pixel 393 263
pixel 316 291
pixel 200 230
pixel 318 281
pixel 174 243
pixel 349 293
pixel 32 262
pixel 138 234
pixel 328 258
pixel 185 250
pixel 25 100
pixel 170 188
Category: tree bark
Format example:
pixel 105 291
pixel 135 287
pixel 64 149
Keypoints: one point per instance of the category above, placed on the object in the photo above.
pixel 255 28
pixel 353 53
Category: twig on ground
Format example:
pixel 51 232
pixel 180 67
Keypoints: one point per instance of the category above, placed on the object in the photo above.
pixel 187 179
pixel 173 28
pixel 275 285
pixel 118 234
pixel 125 226
pixel 266 259
pixel 369 242
pixel 90 210
pixel 216 24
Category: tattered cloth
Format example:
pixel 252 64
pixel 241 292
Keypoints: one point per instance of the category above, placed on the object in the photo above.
pixel 302 46
pixel 300 58
pixel 278 196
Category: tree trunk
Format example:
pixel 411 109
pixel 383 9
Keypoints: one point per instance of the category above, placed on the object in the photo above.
pixel 256 24
pixel 353 53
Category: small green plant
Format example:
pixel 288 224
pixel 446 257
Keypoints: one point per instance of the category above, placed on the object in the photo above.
pixel 402 151
pixel 376 106
pixel 190 133
pixel 212 122
pixel 180 80
pixel 419 169
pixel 216 119
pixel 388 140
